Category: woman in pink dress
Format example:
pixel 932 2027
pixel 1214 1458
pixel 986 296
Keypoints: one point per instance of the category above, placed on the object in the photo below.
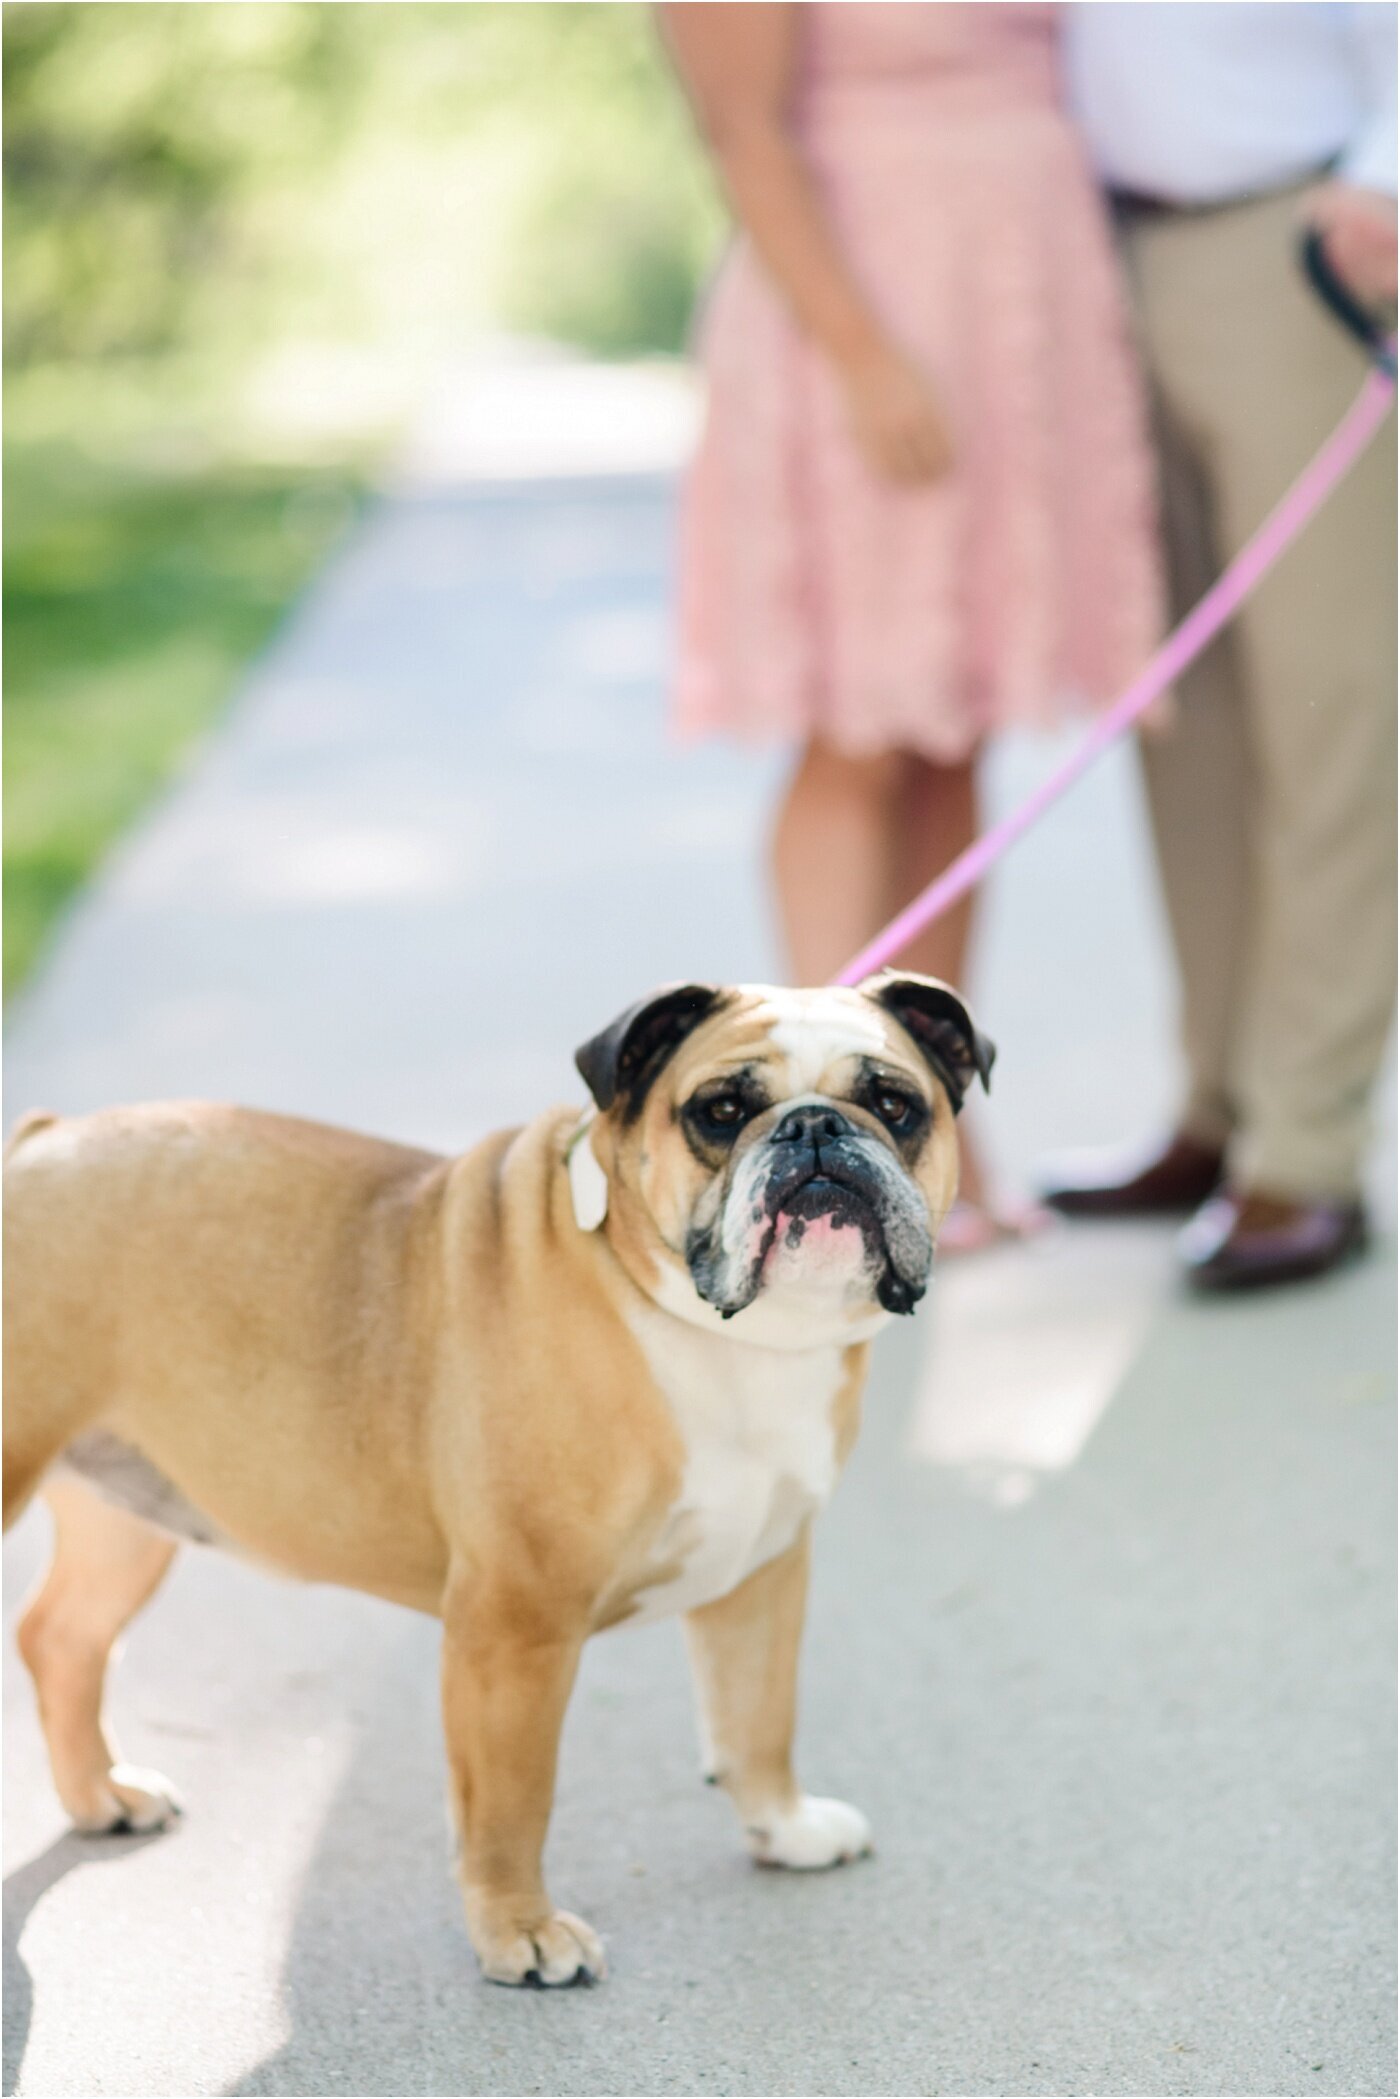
pixel 922 508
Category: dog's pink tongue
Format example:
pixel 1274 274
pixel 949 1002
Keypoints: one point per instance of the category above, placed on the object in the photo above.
pixel 812 1237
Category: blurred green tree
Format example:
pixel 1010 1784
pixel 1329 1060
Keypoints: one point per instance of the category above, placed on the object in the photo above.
pixel 214 176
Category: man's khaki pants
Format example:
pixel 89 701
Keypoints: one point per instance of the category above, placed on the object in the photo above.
pixel 1273 794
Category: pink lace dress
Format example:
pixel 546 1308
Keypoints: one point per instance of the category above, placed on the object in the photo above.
pixel 818 598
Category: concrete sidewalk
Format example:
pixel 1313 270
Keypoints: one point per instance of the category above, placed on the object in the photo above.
pixel 1102 1626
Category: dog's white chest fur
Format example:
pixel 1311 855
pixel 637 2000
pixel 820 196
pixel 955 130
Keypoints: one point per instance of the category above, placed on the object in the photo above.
pixel 760 1439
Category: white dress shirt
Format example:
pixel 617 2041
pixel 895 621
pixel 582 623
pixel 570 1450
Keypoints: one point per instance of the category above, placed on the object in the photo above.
pixel 1203 101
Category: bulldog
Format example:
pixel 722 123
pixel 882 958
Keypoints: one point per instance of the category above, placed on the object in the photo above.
pixel 599 1370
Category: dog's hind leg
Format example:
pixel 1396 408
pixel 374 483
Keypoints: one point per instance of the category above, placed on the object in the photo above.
pixel 106 1564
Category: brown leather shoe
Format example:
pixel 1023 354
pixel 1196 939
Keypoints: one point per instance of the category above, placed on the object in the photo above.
pixel 1246 1242
pixel 1160 1183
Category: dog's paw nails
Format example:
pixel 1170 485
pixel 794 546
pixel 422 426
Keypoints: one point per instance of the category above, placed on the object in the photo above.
pixel 132 1803
pixel 812 1834
pixel 560 1950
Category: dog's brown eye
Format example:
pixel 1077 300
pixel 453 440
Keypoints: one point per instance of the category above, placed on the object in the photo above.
pixel 893 1109
pixel 717 1118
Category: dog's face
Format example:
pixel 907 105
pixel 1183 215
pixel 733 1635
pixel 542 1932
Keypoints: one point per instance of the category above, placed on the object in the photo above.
pixel 781 1158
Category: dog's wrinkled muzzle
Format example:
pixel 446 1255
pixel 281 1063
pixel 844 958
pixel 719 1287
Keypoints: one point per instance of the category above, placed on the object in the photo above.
pixel 819 1166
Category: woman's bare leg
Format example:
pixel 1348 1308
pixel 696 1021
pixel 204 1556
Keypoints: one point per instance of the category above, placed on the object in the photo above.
pixel 938 818
pixel 834 856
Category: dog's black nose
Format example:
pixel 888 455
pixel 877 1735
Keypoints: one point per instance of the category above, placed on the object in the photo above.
pixel 811 1124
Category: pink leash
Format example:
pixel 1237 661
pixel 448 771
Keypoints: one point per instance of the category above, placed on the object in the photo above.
pixel 1200 627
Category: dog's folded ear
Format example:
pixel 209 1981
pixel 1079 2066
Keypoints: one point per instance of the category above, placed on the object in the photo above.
pixel 940 1023
pixel 624 1060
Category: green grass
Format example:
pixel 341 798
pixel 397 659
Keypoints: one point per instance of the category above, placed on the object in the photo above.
pixel 144 563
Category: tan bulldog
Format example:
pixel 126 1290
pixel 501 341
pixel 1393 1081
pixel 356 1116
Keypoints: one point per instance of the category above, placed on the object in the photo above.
pixel 595 1370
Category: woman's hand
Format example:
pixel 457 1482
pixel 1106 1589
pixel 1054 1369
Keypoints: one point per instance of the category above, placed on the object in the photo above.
pixel 1358 231
pixel 740 68
pixel 895 415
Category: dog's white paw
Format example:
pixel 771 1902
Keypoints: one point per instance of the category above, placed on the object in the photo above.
pixel 560 1949
pixel 130 1801
pixel 815 1833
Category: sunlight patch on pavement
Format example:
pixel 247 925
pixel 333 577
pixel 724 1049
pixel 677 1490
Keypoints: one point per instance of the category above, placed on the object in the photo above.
pixel 276 856
pixel 364 866
pixel 1029 1344
pixel 549 416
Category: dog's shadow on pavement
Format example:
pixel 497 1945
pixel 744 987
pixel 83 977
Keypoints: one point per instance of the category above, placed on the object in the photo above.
pixel 25 1889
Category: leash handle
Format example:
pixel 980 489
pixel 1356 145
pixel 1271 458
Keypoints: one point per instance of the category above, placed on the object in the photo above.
pixel 1342 303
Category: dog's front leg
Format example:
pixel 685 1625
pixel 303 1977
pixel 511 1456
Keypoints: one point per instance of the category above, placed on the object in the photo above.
pixel 743 1651
pixel 505 1687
